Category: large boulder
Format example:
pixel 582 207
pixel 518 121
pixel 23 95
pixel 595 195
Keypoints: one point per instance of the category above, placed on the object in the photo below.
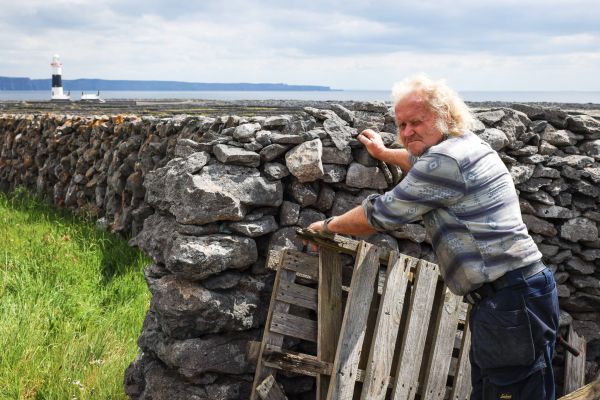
pixel 305 161
pixel 197 258
pixel 219 192
pixel 188 309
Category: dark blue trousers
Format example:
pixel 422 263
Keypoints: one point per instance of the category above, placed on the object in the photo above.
pixel 513 333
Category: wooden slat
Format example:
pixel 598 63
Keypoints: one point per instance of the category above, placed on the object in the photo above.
pixel 304 364
pixel 461 387
pixel 298 295
pixel 270 390
pixel 354 323
pixel 340 243
pixel 591 391
pixel 413 342
pixel 299 363
pixel 575 366
pixel 292 325
pixel 271 338
pixel 274 259
pixel 306 265
pixel 381 353
pixel 252 350
pixel 330 312
pixel 439 360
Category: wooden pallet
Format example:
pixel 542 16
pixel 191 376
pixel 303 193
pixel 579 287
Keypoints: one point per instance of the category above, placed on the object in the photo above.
pixel 397 335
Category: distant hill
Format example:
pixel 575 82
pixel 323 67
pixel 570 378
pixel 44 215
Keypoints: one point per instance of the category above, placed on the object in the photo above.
pixel 8 83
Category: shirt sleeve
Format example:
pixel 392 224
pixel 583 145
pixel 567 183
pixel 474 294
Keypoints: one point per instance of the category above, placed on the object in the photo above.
pixel 434 181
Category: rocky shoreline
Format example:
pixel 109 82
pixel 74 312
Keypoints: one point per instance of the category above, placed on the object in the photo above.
pixel 208 196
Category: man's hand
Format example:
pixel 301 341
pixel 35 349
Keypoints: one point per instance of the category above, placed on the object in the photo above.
pixel 317 226
pixel 373 143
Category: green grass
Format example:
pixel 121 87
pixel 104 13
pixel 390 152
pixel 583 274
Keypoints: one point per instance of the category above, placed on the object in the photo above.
pixel 72 302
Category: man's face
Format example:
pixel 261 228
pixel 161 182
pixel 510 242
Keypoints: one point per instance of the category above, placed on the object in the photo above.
pixel 416 124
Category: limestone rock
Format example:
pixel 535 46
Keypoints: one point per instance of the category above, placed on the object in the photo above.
pixel 305 161
pixel 537 225
pixel 245 132
pixel 521 173
pixel 360 176
pixel 495 138
pixel 303 193
pixel 343 112
pixel 289 213
pixel 259 227
pixel 275 170
pixel 196 258
pixel 234 155
pixel 286 238
pixel 308 216
pixel 577 229
pixel 333 173
pixel 583 124
pixel 271 152
pixel 221 354
pixel 220 192
pixel 339 133
pixel 333 155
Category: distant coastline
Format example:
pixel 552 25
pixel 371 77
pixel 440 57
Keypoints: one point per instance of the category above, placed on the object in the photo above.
pixel 24 84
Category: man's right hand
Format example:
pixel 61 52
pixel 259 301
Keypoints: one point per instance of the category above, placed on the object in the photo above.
pixel 373 143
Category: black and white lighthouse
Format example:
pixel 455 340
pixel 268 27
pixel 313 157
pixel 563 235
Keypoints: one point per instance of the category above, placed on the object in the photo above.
pixel 57 89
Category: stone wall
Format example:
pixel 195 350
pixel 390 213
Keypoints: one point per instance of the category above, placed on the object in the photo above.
pixel 207 198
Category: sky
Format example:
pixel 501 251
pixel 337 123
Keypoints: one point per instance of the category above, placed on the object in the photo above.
pixel 481 45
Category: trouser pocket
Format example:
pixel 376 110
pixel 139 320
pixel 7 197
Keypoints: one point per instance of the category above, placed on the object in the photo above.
pixel 502 338
pixel 531 388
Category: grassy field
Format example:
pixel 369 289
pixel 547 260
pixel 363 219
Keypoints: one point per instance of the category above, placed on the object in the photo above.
pixel 72 302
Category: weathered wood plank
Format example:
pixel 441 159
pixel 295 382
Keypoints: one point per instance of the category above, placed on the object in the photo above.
pixel 591 391
pixel 253 350
pixel 299 295
pixel 439 359
pixel 271 338
pixel 270 390
pixel 304 364
pixel 575 366
pixel 381 353
pixel 354 323
pixel 340 243
pixel 292 325
pixel 461 387
pixel 299 363
pixel 306 265
pixel 330 312
pixel 413 341
pixel 274 259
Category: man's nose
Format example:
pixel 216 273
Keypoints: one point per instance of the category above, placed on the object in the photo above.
pixel 407 131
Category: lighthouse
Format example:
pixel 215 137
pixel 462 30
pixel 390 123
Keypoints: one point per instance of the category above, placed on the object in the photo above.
pixel 57 89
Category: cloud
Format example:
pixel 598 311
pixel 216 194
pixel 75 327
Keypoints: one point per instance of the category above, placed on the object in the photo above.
pixel 346 44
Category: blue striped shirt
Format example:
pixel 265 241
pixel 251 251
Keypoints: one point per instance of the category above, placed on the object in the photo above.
pixel 470 209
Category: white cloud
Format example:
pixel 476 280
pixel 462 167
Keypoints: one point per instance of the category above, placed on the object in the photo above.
pixel 363 44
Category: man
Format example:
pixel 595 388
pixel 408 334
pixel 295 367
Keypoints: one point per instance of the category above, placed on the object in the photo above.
pixel 463 192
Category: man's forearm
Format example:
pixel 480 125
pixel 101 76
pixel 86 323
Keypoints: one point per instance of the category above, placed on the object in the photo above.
pixel 399 157
pixel 353 222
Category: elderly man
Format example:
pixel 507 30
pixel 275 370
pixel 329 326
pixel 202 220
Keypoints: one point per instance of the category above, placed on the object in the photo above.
pixel 463 192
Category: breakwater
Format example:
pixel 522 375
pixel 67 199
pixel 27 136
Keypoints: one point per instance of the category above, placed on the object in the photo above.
pixel 207 197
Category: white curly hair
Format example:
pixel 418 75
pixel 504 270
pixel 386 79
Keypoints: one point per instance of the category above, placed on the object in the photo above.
pixel 454 116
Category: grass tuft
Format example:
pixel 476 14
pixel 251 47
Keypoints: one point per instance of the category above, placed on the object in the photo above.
pixel 72 302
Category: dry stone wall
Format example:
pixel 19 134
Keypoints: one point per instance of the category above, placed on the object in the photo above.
pixel 207 198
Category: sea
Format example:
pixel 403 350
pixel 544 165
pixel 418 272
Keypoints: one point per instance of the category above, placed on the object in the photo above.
pixel 580 97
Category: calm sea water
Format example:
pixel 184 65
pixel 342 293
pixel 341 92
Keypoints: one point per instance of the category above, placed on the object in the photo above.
pixel 342 95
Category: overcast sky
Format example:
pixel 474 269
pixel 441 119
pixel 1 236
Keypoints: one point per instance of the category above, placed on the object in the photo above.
pixel 351 44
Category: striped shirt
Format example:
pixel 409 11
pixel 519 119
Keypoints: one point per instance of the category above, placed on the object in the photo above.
pixel 470 209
